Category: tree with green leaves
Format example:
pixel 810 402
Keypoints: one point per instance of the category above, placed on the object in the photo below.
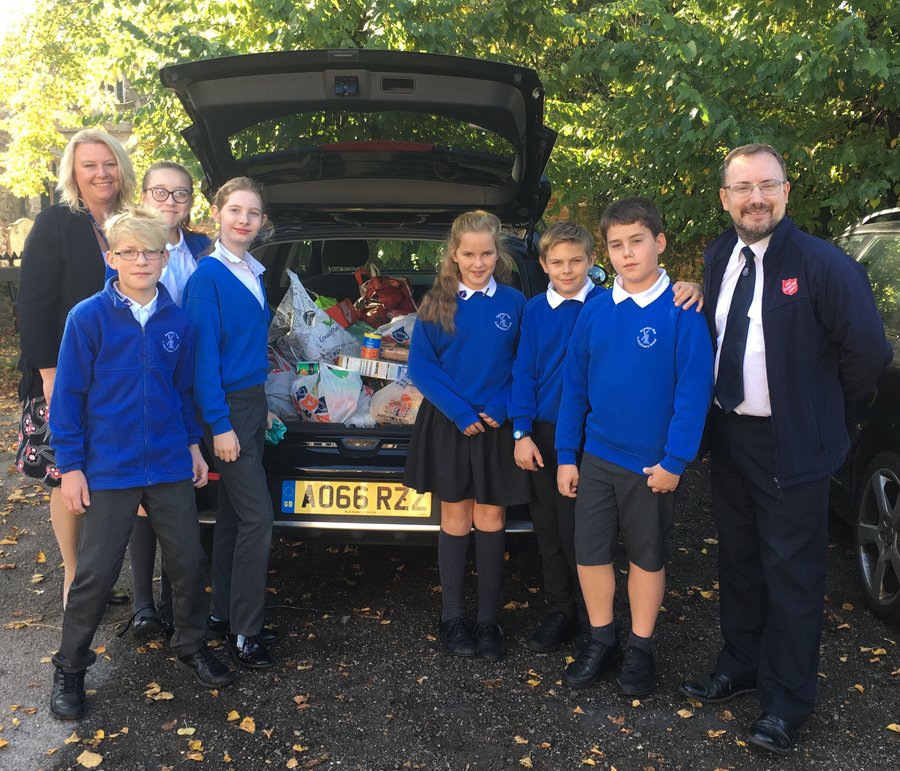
pixel 648 96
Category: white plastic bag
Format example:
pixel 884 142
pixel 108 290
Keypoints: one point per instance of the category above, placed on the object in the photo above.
pixel 302 331
pixel 329 396
pixel 278 393
pixel 361 418
pixel 399 330
pixel 396 404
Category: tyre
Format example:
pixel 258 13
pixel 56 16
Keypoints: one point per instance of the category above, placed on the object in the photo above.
pixel 877 523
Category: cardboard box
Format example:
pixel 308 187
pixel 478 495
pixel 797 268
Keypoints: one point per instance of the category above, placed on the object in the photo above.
pixel 384 370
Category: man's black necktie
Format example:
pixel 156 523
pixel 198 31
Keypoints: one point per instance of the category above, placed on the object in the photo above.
pixel 730 379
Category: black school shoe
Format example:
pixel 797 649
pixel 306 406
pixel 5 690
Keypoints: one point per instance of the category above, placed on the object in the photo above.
pixel 456 636
pixel 637 676
pixel 252 654
pixel 67 699
pixel 146 624
pixel 771 733
pixel 592 661
pixel 555 629
pixel 216 629
pixel 205 668
pixel 490 642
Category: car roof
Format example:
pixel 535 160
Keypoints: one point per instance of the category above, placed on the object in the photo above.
pixel 386 137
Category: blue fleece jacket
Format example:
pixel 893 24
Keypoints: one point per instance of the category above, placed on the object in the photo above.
pixel 469 371
pixel 231 330
pixel 122 409
pixel 637 384
pixel 537 371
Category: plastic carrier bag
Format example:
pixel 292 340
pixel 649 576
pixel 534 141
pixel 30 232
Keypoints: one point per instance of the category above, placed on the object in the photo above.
pixel 301 331
pixel 382 298
pixel 329 396
pixel 396 404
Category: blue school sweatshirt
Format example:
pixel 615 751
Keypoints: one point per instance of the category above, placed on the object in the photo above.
pixel 469 371
pixel 122 409
pixel 230 329
pixel 537 370
pixel 637 384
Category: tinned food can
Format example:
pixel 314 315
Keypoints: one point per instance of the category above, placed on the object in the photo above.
pixel 371 345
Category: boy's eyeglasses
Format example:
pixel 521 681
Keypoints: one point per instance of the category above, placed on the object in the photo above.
pixel 132 254
pixel 743 189
pixel 160 194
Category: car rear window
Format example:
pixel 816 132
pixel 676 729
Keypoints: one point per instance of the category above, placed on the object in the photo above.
pixel 389 144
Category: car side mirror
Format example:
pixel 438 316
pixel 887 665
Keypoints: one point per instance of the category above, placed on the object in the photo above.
pixel 598 275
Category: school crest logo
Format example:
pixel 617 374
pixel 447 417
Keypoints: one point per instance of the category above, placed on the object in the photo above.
pixel 171 342
pixel 647 337
pixel 503 321
pixel 789 286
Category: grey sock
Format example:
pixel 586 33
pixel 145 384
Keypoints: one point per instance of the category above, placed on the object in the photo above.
pixel 643 643
pixel 605 634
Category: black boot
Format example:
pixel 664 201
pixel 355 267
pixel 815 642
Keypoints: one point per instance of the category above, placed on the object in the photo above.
pixel 67 700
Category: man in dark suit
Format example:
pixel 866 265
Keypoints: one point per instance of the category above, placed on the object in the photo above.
pixel 798 343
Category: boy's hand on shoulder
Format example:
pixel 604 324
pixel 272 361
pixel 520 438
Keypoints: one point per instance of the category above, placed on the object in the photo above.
pixel 226 447
pixel 75 491
pixel 199 465
pixel 489 420
pixel 567 480
pixel 687 294
pixel 661 481
pixel 527 455
pixel 475 428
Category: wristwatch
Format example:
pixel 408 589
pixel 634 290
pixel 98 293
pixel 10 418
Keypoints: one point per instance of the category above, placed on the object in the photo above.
pixel 519 434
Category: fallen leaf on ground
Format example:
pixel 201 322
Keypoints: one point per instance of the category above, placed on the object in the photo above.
pixel 41 558
pixel 526 762
pixel 893 727
pixel 685 713
pixel 292 763
pixel 198 756
pixel 195 744
pixel 617 720
pixel 636 703
pixel 858 687
pixel 89 759
pixel 715 734
pixel 248 724
pixel 74 738
pixel 233 715
pixel 578 711
pixel 588 762
pixel 186 731
pixel 299 748
pixel 4 743
pixel 520 740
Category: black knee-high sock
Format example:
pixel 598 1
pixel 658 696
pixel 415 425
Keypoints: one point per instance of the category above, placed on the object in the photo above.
pixel 489 550
pixel 452 552
pixel 142 551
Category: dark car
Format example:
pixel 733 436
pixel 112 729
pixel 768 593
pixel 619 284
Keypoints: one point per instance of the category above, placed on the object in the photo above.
pixel 367 155
pixel 867 487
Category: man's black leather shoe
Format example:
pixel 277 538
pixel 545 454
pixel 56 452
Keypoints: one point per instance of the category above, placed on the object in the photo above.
pixel 67 699
pixel 771 733
pixel 456 635
pixel 251 654
pixel 490 642
pixel 590 663
pixel 715 688
pixel 205 668
pixel 147 625
pixel 555 629
pixel 216 629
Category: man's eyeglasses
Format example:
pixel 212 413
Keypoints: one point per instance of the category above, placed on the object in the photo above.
pixel 743 189
pixel 179 194
pixel 132 254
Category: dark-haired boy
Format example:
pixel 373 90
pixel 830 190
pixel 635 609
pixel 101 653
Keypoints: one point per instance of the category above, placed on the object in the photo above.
pixel 566 255
pixel 637 384
pixel 125 433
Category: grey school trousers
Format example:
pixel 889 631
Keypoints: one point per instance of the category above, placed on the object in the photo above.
pixel 105 530
pixel 243 531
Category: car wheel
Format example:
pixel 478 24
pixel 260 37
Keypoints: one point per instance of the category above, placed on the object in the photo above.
pixel 876 536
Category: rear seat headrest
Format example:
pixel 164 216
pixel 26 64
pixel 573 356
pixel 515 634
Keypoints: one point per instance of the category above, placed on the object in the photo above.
pixel 345 254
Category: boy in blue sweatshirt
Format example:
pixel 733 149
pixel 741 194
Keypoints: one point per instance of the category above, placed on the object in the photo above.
pixel 637 384
pixel 125 434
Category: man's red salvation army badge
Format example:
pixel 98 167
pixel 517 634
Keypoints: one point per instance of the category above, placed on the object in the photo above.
pixel 789 286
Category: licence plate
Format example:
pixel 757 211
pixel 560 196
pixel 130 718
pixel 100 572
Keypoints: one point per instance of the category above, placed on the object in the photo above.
pixel 374 499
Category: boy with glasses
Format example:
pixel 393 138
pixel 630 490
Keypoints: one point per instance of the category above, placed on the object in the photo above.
pixel 125 433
